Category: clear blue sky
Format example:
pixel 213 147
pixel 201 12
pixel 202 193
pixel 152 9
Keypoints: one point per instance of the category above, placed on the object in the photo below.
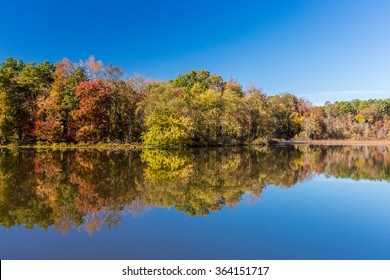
pixel 322 50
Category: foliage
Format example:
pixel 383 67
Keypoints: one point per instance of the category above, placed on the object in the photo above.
pixel 92 102
pixel 93 115
pixel 20 85
pixel 199 80
pixel 167 130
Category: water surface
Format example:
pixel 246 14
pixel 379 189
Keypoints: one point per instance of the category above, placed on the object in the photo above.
pixel 287 202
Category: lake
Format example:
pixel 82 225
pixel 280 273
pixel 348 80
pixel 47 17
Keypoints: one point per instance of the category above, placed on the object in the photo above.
pixel 283 202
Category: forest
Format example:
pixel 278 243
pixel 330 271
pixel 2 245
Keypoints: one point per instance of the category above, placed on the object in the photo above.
pixel 89 102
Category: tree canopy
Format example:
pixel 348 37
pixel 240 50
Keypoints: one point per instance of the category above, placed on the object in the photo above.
pixel 91 102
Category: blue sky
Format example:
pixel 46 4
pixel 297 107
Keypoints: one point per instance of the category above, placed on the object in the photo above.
pixel 320 50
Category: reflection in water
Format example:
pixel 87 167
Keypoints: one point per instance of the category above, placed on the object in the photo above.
pixel 88 189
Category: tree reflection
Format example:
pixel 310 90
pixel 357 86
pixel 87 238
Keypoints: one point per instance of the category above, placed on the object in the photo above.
pixel 90 189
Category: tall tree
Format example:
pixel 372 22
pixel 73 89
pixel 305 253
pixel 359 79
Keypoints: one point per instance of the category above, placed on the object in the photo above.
pixel 166 119
pixel 55 107
pixel 93 116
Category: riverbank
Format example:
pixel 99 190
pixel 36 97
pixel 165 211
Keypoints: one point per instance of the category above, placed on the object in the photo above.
pixel 335 142
pixel 140 146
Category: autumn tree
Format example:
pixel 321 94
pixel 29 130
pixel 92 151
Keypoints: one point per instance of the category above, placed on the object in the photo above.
pixel 54 121
pixel 165 117
pixel 126 94
pixel 286 115
pixel 92 119
pixel 202 78
pixel 314 126
pixel 260 125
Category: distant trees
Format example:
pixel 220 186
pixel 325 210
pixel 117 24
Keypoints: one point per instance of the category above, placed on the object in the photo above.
pixel 357 119
pixel 91 102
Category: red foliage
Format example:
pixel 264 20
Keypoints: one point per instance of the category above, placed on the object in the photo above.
pixel 93 116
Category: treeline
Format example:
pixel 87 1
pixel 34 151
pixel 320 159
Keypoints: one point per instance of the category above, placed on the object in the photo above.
pixel 89 189
pixel 88 102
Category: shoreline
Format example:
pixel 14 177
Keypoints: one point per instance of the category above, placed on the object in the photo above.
pixel 140 146
pixel 336 142
pixel 66 146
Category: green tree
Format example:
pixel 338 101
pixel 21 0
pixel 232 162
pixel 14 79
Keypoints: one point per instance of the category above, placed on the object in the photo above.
pixel 260 125
pixel 201 78
pixel 20 86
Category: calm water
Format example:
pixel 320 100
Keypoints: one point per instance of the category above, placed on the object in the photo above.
pixel 289 202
